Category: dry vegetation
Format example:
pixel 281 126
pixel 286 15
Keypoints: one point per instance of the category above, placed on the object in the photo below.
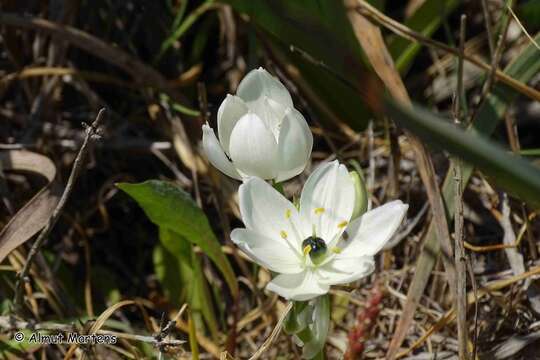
pixel 161 69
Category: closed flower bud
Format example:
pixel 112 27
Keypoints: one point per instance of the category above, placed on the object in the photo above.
pixel 260 132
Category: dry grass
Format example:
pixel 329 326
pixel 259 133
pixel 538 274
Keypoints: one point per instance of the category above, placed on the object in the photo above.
pixel 95 273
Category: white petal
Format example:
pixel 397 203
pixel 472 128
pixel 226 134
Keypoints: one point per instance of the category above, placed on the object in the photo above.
pixel 253 147
pixel 328 200
pixel 265 211
pixel 294 145
pixel 215 153
pixel 271 113
pixel 230 111
pixel 368 234
pixel 259 84
pixel 272 253
pixel 297 287
pixel 343 270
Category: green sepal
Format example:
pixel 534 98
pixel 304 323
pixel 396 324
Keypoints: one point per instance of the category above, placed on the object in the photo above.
pixel 361 195
pixel 297 319
pixel 309 322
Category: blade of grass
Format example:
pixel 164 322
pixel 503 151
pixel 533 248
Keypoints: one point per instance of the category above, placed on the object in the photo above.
pixel 182 28
pixel 530 152
pixel 504 168
pixel 193 344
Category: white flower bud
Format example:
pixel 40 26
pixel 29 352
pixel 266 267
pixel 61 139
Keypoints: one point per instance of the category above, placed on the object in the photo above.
pixel 260 132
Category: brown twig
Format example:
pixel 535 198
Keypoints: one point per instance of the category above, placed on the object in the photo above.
pixel 488 84
pixel 487 22
pixel 459 251
pixel 92 134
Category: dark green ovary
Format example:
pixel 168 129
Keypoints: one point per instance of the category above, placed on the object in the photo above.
pixel 316 248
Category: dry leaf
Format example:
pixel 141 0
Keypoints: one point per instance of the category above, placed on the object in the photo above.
pixel 33 216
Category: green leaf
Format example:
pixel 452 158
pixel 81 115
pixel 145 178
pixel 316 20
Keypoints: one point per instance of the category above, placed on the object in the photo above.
pixel 321 29
pixel 319 329
pixel 179 270
pixel 508 170
pixel 167 271
pixel 529 13
pixel 361 201
pixel 297 319
pixel 530 152
pixel 426 20
pixel 170 207
pixel 183 27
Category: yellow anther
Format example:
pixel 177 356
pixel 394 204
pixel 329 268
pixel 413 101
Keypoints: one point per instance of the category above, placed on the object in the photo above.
pixel 307 250
pixel 336 250
pixel 319 210
pixel 283 234
pixel 342 224
pixel 287 214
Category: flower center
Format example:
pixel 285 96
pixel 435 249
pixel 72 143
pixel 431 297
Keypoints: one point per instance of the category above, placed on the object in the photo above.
pixel 315 247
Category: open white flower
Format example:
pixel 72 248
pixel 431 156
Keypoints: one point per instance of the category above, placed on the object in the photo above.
pixel 260 131
pixel 316 246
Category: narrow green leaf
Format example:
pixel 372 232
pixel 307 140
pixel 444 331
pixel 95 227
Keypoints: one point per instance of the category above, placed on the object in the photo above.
pixel 193 343
pixel 179 270
pixel 168 273
pixel 530 152
pixel 200 295
pixel 509 171
pixel 297 319
pixel 426 20
pixel 170 207
pixel 529 14
pixel 319 329
pixel 183 27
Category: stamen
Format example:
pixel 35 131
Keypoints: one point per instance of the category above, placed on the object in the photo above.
pixel 288 214
pixel 307 250
pixel 336 250
pixel 295 234
pixel 342 224
pixel 319 210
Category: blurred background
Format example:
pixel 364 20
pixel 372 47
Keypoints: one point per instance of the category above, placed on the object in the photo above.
pixel 161 69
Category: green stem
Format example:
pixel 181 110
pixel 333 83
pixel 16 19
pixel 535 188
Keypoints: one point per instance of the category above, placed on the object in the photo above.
pixel 278 187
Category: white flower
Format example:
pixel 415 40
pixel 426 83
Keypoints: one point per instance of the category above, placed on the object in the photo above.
pixel 260 131
pixel 316 246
